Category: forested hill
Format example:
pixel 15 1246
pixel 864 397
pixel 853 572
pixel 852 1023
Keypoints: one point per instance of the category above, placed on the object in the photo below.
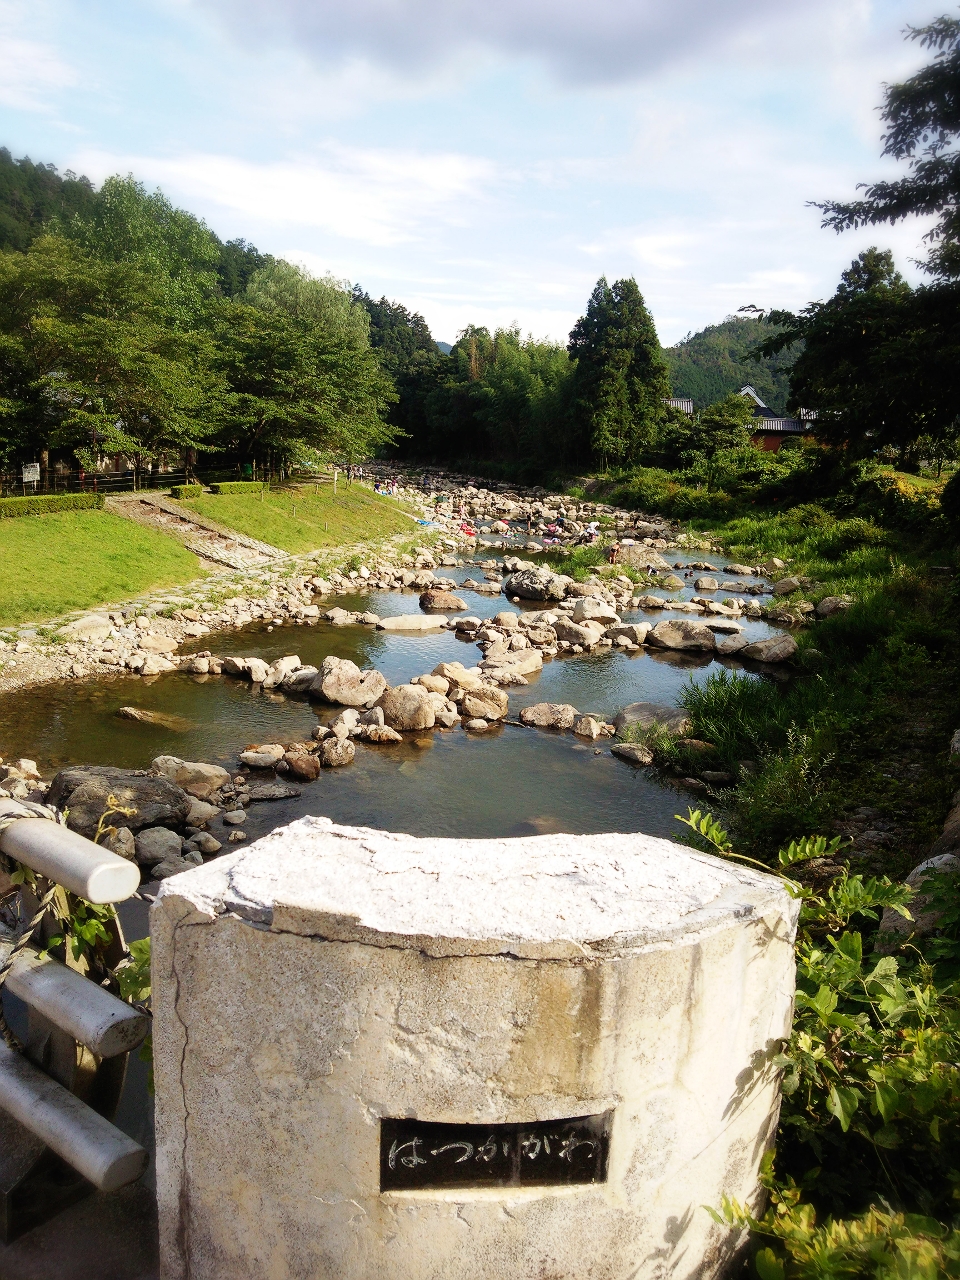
pixel 708 365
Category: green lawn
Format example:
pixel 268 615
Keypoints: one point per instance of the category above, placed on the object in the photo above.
pixel 324 519
pixel 77 559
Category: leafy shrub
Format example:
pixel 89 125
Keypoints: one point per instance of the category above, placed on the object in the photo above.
pixel 848 535
pixel 44 504
pixel 237 486
pixel 869 1138
pixel 186 490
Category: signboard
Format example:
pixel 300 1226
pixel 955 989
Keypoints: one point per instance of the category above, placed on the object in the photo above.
pixel 418 1155
pixel 31 472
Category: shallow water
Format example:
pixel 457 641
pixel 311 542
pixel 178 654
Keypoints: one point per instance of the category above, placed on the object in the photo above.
pixel 509 781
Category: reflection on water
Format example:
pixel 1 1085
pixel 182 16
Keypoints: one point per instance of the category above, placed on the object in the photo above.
pixel 510 781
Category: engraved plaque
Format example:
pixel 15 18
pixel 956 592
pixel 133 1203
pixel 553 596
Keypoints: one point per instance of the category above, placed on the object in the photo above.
pixel 419 1155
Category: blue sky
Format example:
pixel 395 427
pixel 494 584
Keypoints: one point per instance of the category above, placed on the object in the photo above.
pixel 485 163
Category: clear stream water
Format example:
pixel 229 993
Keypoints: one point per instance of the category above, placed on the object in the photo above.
pixel 510 781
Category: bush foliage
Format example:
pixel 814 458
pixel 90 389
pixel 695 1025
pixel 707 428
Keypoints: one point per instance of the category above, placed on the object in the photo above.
pixel 186 490
pixel 43 504
pixel 235 486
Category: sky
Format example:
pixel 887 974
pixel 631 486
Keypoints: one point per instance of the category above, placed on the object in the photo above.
pixel 486 163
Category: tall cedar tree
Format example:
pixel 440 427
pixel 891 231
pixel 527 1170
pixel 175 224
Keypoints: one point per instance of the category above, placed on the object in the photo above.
pixel 408 353
pixel 923 115
pixel 621 378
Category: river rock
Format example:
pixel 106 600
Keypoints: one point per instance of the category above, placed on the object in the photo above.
pixel 264 757
pixel 589 609
pixel 830 605
pixel 706 584
pixel 413 622
pixel 381 733
pixel 200 812
pixel 652 602
pixel 279 670
pixel 173 867
pixel 786 586
pixel 158 643
pixel 591 727
pixel 179 724
pixel 199 780
pixel 732 644
pixel 93 626
pixel 640 557
pixel 335 752
pixel 84 790
pixel 520 662
pixel 670 582
pixel 258 791
pixel 646 714
pixel 536 584
pixel 206 843
pixel 155 845
pixel 583 633
pixel 485 703
pixel 773 649
pixel 303 765
pixel 678 633
pixel 633 753
pixel 433 684
pixel 154 664
pixel 894 928
pixel 635 632
pixel 739 570
pixel 550 715
pixel 341 682
pixel 235 818
pixel 121 842
pixel 444 600
pixel 299 681
pixel 406 707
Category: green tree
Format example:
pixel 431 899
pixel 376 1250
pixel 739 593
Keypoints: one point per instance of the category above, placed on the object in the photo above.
pixel 923 115
pixel 126 223
pixel 91 359
pixel 31 194
pixel 721 358
pixel 621 377
pixel 408 353
pixel 294 388
pixel 322 304
pixel 867 360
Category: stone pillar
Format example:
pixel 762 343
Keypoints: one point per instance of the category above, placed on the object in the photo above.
pixel 387 1058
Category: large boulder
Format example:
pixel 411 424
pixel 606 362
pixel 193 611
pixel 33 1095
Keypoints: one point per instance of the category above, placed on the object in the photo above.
pixel 521 662
pixel 550 715
pixel 407 706
pixel 342 683
pixel 536 584
pixel 85 790
pixel 830 605
pixel 486 703
pixel 646 714
pixel 444 600
pixel 640 557
pixel 158 644
pixel 894 928
pixel 585 633
pixel 635 632
pixel 335 752
pixel 588 608
pixel 299 681
pixel 200 780
pixel 675 633
pixel 773 649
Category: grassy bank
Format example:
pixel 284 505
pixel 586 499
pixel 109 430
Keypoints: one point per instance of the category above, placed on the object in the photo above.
pixel 75 560
pixel 301 519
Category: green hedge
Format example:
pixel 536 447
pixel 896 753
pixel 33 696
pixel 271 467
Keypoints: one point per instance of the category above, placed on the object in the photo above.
pixel 186 490
pixel 238 486
pixel 45 504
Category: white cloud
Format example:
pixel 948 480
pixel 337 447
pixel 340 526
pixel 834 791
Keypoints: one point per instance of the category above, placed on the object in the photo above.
pixel 381 198
pixel 30 70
